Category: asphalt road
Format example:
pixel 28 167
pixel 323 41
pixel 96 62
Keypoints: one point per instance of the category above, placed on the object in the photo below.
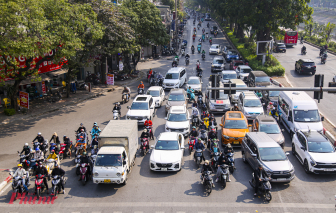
pixel 148 191
pixel 307 80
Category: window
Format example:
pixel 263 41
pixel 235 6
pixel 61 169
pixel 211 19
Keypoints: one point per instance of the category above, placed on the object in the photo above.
pixel 283 105
pixel 252 103
pixel 248 141
pixel 320 147
pixel 194 81
pixel 235 124
pixel 167 145
pixel 172 76
pixel 262 79
pixel 272 154
pixel 182 73
pixel 253 148
pixel 176 97
pixel 150 102
pixel 291 33
pixel 302 140
pixel 177 117
pixel 109 160
pixel 139 106
pixel 306 116
pixel 270 128
pixel 154 93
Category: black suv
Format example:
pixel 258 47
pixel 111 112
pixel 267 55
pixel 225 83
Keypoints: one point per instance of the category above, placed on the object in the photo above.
pixel 213 29
pixel 305 66
pixel 279 47
pixel 218 64
pixel 258 79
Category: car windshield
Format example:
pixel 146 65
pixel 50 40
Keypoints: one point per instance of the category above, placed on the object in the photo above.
pixel 222 96
pixel 306 116
pixel 214 46
pixel 176 97
pixel 270 128
pixel 108 160
pixel 172 76
pixel 177 117
pixel 233 53
pixel 194 81
pixel 281 45
pixel 272 154
pixel 252 103
pixel 235 124
pixel 167 145
pixel 245 70
pixel 218 61
pixel 238 63
pixel 239 85
pixel 229 76
pixel 322 147
pixel 262 79
pixel 154 93
pixel 274 93
pixel 139 106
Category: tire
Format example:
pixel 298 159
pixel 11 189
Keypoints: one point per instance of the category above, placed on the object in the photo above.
pixel 268 196
pixel 223 183
pixel 198 163
pixel 55 189
pixel 209 188
pixel 293 149
pixel 189 151
pixel 244 158
pixel 313 73
pixel 61 156
pixel 306 167
pixel 38 193
pixel 231 170
pixel 15 195
pixel 84 181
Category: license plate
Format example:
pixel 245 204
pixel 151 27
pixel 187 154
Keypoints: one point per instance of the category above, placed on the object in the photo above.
pixel 309 67
pixel 235 142
pixel 107 181
pixel 163 169
pixel 280 179
pixel 328 170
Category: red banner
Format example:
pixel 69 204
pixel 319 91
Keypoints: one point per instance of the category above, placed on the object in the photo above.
pixel 24 100
pixel 43 88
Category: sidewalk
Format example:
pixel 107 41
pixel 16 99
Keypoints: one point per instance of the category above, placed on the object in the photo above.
pixel 42 107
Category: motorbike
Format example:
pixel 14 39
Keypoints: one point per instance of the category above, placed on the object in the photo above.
pixel 152 81
pixel 124 98
pixel 210 41
pixel 214 160
pixel 199 49
pixel 81 85
pixel 191 143
pixel 303 52
pixel 200 99
pixel 140 91
pixel 207 36
pixel 323 59
pixel 56 185
pixel 199 73
pixel 61 152
pixel 231 162
pixel 198 156
pixel 215 34
pixel 264 187
pixel 207 182
pixel 203 135
pixel 17 186
pixel 160 81
pixel 144 146
pixel 191 96
pixel 195 120
pixel 182 52
pixel 203 107
pixel 83 170
pixel 25 163
pixel 192 50
pixel 322 52
pixel 187 61
pixel 149 129
pixel 224 174
pixel 116 115
pixel 174 64
pixel 39 185
pixel 203 56
pixel 193 39
pixel 77 161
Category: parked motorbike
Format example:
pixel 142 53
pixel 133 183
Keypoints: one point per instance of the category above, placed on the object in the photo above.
pixel 39 185
pixel 207 182
pixel 81 85
pixel 191 143
pixel 144 146
pixel 224 174
pixel 199 157
pixel 125 98
pixel 83 173
pixel 264 189
pixel 116 115
pixel 56 185
pixel 93 78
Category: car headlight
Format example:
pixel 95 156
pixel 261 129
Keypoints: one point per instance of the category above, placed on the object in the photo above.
pixel 246 113
pixel 226 137
pixel 118 174
pixel 212 65
pixel 186 129
pixel 96 174
pixel 312 162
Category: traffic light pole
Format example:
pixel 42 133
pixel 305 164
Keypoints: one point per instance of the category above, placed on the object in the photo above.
pixel 315 89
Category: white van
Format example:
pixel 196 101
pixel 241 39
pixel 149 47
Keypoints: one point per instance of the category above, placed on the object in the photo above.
pixel 297 111
pixel 239 83
pixel 175 78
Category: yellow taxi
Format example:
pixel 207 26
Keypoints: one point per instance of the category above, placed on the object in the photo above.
pixel 234 127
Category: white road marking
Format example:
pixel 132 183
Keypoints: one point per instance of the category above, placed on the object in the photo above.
pixel 6 187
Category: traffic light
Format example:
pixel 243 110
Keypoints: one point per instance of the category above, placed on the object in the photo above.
pixel 318 82
pixel 229 91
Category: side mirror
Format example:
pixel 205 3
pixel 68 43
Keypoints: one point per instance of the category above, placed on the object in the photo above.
pixel 322 118
pixel 124 162
pixel 152 146
pixel 287 153
pixel 254 155
pixel 290 118
pixel 128 107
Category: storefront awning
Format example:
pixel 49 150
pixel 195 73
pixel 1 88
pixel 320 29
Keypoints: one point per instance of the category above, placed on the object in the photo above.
pixel 31 80
pixel 58 72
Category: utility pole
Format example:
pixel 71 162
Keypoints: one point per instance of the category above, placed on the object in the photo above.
pixel 176 44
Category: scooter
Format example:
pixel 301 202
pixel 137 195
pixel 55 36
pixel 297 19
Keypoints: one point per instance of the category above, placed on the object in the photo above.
pixel 303 52
pixel 215 158
pixel 149 130
pixel 264 189
pixel 207 182
pixel 210 41
pixel 25 163
pixel 182 52
pixel 144 146
pixel 203 56
pixel 195 120
pixel 39 185
pixel 116 115
pixel 83 170
pixel 200 99
pixel 160 81
pixel 187 61
pixel 200 73
pixel 56 185
pixel 323 60
pixel 17 186
pixel 199 157
pixel 191 143
pixel 192 51
pixel 204 135
pixel 199 49
pixel 124 98
pixel 140 91
pixel 231 162
pixel 224 174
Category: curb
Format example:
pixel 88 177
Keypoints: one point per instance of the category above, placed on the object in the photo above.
pixel 5 182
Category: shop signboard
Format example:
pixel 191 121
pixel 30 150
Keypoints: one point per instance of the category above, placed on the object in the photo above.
pixel 44 91
pixel 110 79
pixel 24 99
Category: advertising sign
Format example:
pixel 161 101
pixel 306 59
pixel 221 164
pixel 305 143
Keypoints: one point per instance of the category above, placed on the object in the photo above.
pixel 43 88
pixel 24 100
pixel 110 79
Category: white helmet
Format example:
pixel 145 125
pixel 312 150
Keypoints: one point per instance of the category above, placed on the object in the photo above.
pixel 26 144
pixel 39 133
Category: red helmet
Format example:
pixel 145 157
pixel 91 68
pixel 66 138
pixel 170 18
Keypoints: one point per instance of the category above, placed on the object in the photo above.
pixel 213 130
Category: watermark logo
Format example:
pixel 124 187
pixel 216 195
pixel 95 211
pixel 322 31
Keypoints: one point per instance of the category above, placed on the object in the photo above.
pixel 30 198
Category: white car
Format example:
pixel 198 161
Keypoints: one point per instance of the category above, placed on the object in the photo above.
pixel 175 78
pixel 243 71
pixel 250 105
pixel 195 83
pixel 143 107
pixel 215 49
pixel 158 95
pixel 227 75
pixel 178 120
pixel 314 151
pixel 167 153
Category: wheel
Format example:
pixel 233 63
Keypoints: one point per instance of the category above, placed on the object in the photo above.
pixel 306 167
pixel 143 152
pixel 84 181
pixel 15 195
pixel 244 158
pixel 268 196
pixel 198 163
pixel 209 188
pixel 55 190
pixel 223 182
pixel 189 151
pixel 313 73
pixel 38 193
pixel 293 149
pixel 61 156
pixel 231 170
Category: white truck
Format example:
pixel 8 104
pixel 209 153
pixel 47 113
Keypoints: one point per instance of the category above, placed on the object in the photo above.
pixel 118 144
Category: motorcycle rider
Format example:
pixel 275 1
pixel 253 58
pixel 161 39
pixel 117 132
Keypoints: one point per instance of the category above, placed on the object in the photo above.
pixel 259 94
pixel 174 63
pixel 212 135
pixel 203 52
pixel 198 65
pixel 80 128
pixel 94 151
pixel 187 56
pixel 60 172
pixel 149 123
pixel 27 151
pixel 199 145
pixel 39 138
pixel 159 76
pixel 195 105
pixel 67 142
pixel 55 139
pixel 202 126
pixel 43 171
pixel 94 142
pixel 193 132
pixel 85 159
pixel 208 25
pixel 144 134
pixel 52 155
pixel 221 161
pixel 303 49
pixel 95 130
pixel 38 155
pixel 213 122
pixel 324 56
pixel 206 168
pixel 192 48
pixel 228 148
pixel 24 175
pixel 269 107
pixel 259 173
pixel 117 107
pixel 126 90
pixel 141 85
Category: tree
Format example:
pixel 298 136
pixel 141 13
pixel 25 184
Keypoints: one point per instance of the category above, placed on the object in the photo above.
pixel 31 28
pixel 170 3
pixel 328 29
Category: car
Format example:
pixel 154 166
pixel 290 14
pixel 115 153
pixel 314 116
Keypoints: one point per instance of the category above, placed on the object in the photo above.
pixel 227 75
pixel 305 66
pixel 258 79
pixel 207 17
pixel 250 105
pixel 167 153
pixel 213 29
pixel 271 96
pixel 267 124
pixel 226 50
pixel 260 149
pixel 215 49
pixel 234 128
pixel 239 83
pixel 195 83
pixel 243 71
pixel 176 97
pixel 217 102
pixel 235 63
pixel 175 78
pixel 178 120
pixel 143 107
pixel 279 47
pixel 158 95
pixel 232 55
pixel 218 64
pixel 314 151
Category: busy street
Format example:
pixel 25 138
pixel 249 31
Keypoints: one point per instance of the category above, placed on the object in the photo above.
pixel 152 191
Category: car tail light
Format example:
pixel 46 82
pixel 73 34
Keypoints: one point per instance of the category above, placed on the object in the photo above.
pixel 324 131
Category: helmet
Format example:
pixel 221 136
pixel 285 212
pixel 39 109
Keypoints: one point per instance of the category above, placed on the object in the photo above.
pixel 118 103
pixel 95 123
pixel 189 87
pixel 199 139
pixel 194 127
pixel 197 60
pixel 84 153
pixel 26 144
pixel 39 133
pixel 270 103
pixel 206 162
pixel 145 130
pixel 81 124
pixel 19 165
pixel 37 149
pixel 52 151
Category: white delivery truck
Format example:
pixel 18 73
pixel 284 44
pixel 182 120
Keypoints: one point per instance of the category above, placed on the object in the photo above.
pixel 118 144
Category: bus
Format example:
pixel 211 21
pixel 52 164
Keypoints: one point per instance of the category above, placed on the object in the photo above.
pixel 291 38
